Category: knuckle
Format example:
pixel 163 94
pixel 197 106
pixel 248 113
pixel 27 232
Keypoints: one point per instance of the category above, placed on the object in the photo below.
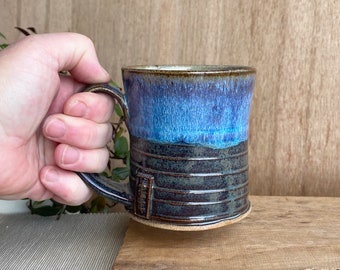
pixel 97 136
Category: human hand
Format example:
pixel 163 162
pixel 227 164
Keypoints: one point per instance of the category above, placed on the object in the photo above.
pixel 48 129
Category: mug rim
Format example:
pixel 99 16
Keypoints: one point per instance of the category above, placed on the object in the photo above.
pixel 191 69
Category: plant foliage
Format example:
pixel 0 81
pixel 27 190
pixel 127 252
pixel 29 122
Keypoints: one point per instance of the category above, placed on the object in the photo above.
pixel 3 45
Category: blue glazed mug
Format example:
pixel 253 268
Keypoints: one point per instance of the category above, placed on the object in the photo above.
pixel 188 128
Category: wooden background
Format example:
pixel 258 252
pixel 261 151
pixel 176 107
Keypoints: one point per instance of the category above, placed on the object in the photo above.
pixel 295 46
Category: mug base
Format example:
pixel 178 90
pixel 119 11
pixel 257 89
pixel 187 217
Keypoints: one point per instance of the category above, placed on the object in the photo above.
pixel 194 227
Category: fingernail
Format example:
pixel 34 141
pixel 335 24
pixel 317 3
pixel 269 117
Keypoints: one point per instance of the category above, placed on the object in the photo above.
pixel 55 128
pixel 70 155
pixel 78 108
pixel 51 175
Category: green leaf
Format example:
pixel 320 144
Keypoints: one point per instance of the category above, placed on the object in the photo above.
pixel 119 110
pixel 119 134
pixel 114 84
pixel 2 35
pixel 98 204
pixel 121 147
pixel 3 46
pixel 120 173
pixel 105 174
pixel 73 209
pixel 127 161
pixel 45 210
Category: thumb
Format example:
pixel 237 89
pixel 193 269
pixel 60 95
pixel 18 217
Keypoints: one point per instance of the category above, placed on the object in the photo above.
pixel 71 52
pixel 30 80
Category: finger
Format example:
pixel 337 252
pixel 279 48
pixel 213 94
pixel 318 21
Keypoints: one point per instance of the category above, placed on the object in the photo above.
pixel 75 159
pixel 76 131
pixel 66 186
pixel 68 87
pixel 92 106
pixel 79 56
pixel 84 66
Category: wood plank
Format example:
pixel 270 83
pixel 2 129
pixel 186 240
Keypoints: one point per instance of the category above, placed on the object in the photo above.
pixel 9 15
pixel 60 16
pixel 267 31
pixel 280 233
pixel 323 115
pixel 34 14
pixel 303 115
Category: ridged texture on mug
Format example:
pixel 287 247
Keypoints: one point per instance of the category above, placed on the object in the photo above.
pixel 189 184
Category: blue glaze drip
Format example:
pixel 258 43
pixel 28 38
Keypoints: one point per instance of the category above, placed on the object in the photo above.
pixel 210 111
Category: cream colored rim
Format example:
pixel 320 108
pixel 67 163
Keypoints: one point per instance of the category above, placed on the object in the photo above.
pixel 191 70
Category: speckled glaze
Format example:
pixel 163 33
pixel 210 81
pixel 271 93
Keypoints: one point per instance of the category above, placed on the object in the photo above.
pixel 204 105
pixel 189 184
pixel 188 130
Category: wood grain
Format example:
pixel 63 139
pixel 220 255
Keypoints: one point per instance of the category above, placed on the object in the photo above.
pixel 280 233
pixel 294 44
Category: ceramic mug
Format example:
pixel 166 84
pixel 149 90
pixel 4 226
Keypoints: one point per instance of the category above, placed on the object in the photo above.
pixel 188 128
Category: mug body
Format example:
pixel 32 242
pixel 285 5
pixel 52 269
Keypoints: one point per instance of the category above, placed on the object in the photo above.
pixel 188 130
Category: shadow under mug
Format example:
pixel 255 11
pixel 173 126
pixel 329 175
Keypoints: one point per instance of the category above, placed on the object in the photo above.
pixel 188 128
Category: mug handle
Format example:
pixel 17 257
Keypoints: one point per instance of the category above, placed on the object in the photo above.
pixel 118 192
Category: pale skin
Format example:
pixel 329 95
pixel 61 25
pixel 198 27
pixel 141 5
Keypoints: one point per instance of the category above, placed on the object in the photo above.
pixel 48 129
